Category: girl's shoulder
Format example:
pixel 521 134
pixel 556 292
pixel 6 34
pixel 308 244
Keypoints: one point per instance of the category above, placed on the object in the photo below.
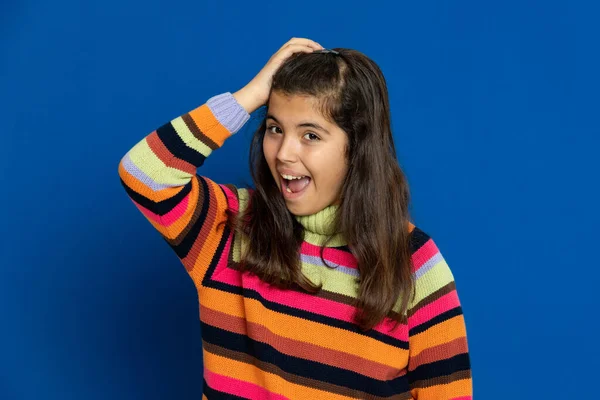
pixel 237 197
pixel 418 237
pixel 428 262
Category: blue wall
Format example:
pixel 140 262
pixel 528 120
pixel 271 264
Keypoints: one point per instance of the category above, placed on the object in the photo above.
pixel 495 111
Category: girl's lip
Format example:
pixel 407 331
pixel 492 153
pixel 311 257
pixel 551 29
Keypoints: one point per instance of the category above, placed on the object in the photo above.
pixel 288 195
pixel 290 172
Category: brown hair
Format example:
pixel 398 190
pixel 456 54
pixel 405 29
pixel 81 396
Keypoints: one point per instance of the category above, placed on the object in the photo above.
pixel 373 214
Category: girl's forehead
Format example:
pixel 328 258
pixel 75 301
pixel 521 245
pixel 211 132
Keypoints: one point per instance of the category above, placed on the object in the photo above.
pixel 296 99
pixel 295 107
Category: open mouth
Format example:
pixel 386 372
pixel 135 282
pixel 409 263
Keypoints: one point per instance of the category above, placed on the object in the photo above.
pixel 292 189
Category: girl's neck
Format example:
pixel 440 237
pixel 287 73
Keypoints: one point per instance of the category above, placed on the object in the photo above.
pixel 319 226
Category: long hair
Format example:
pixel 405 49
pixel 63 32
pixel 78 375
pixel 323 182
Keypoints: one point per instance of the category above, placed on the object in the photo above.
pixel 373 213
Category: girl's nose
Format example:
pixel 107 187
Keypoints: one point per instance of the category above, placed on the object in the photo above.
pixel 288 151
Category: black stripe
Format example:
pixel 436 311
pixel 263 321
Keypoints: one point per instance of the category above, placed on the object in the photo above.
pixel 217 255
pixel 459 362
pixel 436 320
pixel 212 394
pixel 162 207
pixel 300 366
pixel 417 239
pixel 183 248
pixel 168 135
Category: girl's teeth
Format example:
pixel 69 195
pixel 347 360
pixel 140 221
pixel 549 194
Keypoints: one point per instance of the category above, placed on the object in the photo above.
pixel 290 177
pixel 288 190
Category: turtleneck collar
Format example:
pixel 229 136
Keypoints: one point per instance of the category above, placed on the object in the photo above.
pixel 319 226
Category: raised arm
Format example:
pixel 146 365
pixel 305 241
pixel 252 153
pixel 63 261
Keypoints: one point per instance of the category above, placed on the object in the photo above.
pixel 159 172
pixel 159 175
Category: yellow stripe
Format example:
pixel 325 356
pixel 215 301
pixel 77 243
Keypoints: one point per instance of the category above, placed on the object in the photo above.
pixel 240 242
pixel 437 277
pixel 318 240
pixel 139 187
pixel 144 158
pixel 333 280
pixel 188 137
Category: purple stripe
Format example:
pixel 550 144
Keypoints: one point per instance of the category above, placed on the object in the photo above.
pixel 317 261
pixel 142 176
pixel 228 111
pixel 428 264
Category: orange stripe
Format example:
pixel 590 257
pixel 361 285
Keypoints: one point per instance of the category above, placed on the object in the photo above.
pixel 441 333
pixel 209 125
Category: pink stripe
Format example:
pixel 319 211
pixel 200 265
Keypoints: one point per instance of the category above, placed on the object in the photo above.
pixel 238 387
pixel 168 218
pixel 423 254
pixel 177 212
pixel 431 310
pixel 330 254
pixel 301 301
pixel 232 200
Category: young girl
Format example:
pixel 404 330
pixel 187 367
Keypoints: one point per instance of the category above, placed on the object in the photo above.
pixel 314 284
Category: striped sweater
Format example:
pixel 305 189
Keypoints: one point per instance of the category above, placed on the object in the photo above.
pixel 260 342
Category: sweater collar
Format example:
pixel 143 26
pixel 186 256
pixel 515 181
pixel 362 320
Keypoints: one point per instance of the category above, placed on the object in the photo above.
pixel 319 226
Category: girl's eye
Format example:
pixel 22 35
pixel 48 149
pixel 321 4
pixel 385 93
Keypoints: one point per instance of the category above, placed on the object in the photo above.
pixel 271 127
pixel 316 138
pixel 312 136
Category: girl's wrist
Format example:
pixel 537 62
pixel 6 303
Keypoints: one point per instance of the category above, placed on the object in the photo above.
pixel 247 99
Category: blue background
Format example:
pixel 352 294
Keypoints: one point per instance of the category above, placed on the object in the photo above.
pixel 495 113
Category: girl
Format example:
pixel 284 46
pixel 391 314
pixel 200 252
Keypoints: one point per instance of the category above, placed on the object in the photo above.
pixel 314 284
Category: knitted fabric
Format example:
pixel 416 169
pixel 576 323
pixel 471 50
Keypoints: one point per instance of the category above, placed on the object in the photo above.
pixel 260 342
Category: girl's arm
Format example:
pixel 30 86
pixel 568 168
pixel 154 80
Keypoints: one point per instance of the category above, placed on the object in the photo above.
pixel 159 175
pixel 159 172
pixel 439 365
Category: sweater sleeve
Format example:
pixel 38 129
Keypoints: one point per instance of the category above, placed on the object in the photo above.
pixel 159 176
pixel 439 364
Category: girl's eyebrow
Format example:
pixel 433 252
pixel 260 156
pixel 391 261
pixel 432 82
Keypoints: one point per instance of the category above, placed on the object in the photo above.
pixel 313 125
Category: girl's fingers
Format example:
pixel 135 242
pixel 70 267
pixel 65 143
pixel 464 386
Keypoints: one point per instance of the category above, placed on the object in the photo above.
pixel 290 49
pixel 310 43
pixel 305 42
pixel 298 47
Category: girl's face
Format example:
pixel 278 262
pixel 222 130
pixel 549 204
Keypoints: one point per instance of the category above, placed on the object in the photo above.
pixel 299 141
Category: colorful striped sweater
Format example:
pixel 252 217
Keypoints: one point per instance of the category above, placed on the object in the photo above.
pixel 260 342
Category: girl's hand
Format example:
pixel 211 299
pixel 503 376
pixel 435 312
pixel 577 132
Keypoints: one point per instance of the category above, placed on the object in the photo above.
pixel 256 93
